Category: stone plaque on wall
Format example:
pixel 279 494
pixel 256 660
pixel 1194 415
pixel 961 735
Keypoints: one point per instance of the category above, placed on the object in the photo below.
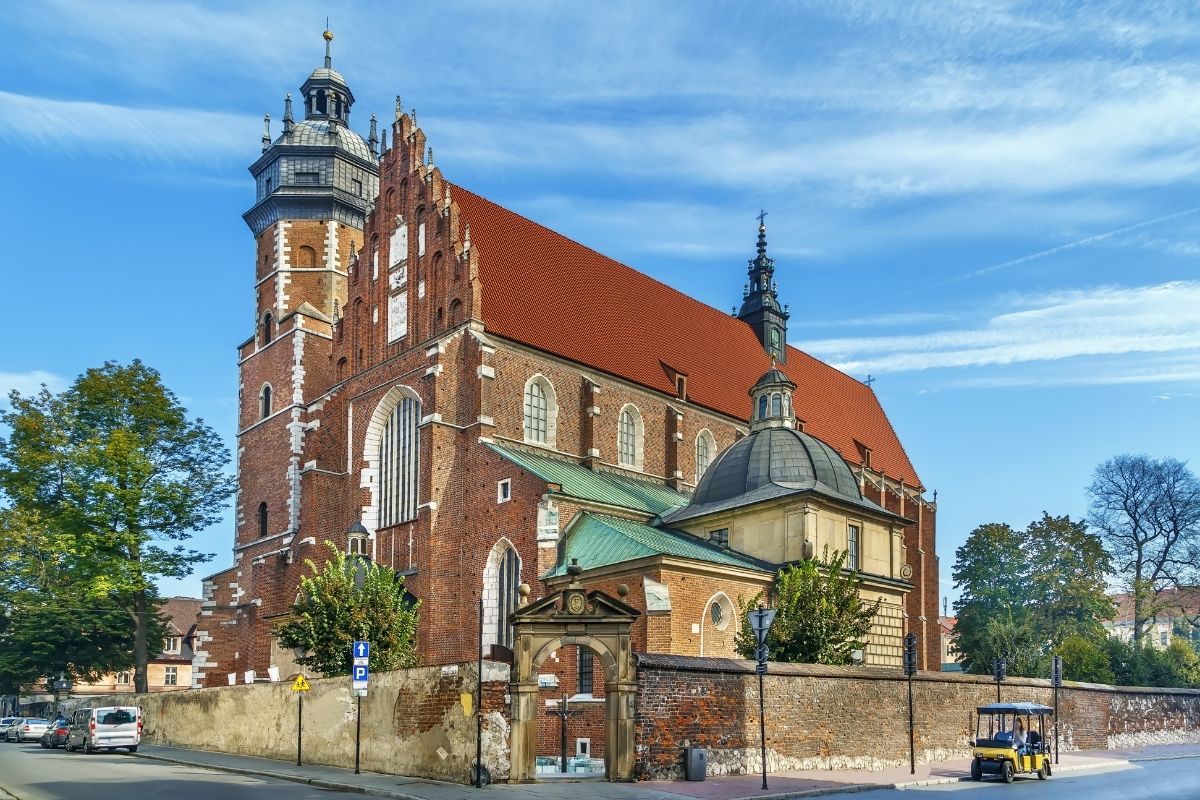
pixel 397 321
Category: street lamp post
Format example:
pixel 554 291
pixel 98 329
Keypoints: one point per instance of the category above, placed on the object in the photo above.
pixel 910 669
pixel 760 621
pixel 1056 681
pixel 999 673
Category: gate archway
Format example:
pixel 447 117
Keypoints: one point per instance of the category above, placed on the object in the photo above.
pixel 574 616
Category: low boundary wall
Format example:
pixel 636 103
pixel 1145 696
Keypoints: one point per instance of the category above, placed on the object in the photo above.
pixel 417 722
pixel 822 717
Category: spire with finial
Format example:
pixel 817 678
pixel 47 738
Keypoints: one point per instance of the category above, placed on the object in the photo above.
pixel 413 113
pixel 429 161
pixel 287 114
pixel 266 140
pixel 399 108
pixel 760 299
pixel 328 34
pixel 373 139
pixel 382 142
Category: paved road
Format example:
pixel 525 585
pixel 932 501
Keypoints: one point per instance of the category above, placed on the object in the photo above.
pixel 27 772
pixel 1159 780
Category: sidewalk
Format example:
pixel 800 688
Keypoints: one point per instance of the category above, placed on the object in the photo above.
pixel 782 785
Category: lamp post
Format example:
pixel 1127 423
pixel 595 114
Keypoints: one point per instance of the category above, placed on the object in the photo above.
pixel 910 669
pixel 760 621
pixel 1056 681
pixel 999 673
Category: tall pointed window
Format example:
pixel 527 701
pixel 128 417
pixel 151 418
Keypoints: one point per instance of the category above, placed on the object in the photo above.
pixel 268 328
pixel 263 524
pixel 399 452
pixel 509 580
pixel 265 402
pixel 540 411
pixel 706 447
pixel 629 438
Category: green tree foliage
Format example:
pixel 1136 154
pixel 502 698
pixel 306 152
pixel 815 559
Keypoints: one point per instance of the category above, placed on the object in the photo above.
pixel 350 599
pixel 1086 659
pixel 820 619
pixel 51 627
pixel 1148 512
pixel 1023 593
pixel 114 465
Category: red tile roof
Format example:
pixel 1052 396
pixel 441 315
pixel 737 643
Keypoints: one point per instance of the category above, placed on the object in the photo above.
pixel 181 612
pixel 627 324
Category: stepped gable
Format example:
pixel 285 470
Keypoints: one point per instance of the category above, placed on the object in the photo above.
pixel 627 324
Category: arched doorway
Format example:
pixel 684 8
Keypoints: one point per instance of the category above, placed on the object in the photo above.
pixel 585 619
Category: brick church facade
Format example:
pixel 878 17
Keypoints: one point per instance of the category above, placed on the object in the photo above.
pixel 473 400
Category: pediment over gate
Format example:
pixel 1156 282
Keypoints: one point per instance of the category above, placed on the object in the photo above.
pixel 575 604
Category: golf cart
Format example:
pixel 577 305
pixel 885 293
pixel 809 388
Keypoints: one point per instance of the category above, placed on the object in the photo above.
pixel 996 754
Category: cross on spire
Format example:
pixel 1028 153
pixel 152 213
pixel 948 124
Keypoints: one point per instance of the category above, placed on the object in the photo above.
pixel 762 215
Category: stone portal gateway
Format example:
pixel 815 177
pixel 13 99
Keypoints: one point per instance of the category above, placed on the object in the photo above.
pixel 574 616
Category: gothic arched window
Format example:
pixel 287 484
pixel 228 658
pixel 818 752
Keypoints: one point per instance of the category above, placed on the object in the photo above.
pixel 706 447
pixel 503 581
pixel 540 411
pixel 399 452
pixel 263 528
pixel 264 408
pixel 268 328
pixel 629 438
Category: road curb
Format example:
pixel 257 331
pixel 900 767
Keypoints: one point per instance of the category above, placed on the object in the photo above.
pixel 319 783
pixel 854 788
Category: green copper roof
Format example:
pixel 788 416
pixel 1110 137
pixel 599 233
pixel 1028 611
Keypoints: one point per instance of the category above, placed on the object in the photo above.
pixel 578 481
pixel 598 540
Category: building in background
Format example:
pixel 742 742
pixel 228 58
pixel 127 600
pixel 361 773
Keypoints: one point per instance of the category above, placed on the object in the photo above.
pixel 473 400
pixel 1177 613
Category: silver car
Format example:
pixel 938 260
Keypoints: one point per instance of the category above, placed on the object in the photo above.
pixel 5 724
pixel 108 728
pixel 26 729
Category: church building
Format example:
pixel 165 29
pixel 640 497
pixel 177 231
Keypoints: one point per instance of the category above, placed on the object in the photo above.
pixel 477 402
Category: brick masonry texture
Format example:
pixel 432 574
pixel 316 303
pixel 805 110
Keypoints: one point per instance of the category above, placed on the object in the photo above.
pixel 821 717
pixel 333 368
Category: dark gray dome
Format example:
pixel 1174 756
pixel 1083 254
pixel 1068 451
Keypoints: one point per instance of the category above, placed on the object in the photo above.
pixel 781 456
pixel 315 133
pixel 772 463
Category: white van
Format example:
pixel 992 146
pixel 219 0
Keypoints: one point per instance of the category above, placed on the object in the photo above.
pixel 107 728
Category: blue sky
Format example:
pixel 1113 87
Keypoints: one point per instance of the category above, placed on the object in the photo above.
pixel 990 207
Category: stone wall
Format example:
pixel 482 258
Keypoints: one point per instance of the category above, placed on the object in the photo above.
pixel 821 717
pixel 417 722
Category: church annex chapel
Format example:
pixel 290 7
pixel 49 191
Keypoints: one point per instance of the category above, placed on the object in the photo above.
pixel 475 401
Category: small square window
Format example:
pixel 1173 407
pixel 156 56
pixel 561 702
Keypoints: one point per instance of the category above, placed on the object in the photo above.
pixel 357 187
pixel 719 537
pixel 504 490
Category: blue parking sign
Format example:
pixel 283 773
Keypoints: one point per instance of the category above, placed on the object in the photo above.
pixel 360 673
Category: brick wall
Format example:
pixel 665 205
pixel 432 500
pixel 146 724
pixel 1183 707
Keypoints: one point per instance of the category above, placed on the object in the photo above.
pixel 822 717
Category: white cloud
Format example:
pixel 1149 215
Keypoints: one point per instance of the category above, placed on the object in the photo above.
pixel 28 383
pixel 1101 322
pixel 150 134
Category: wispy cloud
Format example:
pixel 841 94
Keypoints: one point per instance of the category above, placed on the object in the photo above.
pixel 28 383
pixel 147 134
pixel 1105 321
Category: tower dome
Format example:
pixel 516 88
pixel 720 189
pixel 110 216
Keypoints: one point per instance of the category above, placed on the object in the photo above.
pixel 775 460
pixel 317 168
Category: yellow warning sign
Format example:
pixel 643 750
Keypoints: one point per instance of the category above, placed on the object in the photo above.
pixel 300 684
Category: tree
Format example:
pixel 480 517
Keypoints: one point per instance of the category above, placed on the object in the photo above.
pixel 1086 659
pixel 44 631
pixel 988 568
pixel 820 617
pixel 115 465
pixel 1148 512
pixel 350 599
pixel 1028 590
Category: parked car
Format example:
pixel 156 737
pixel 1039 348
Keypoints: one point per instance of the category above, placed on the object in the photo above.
pixel 5 724
pixel 56 734
pixel 108 728
pixel 27 729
